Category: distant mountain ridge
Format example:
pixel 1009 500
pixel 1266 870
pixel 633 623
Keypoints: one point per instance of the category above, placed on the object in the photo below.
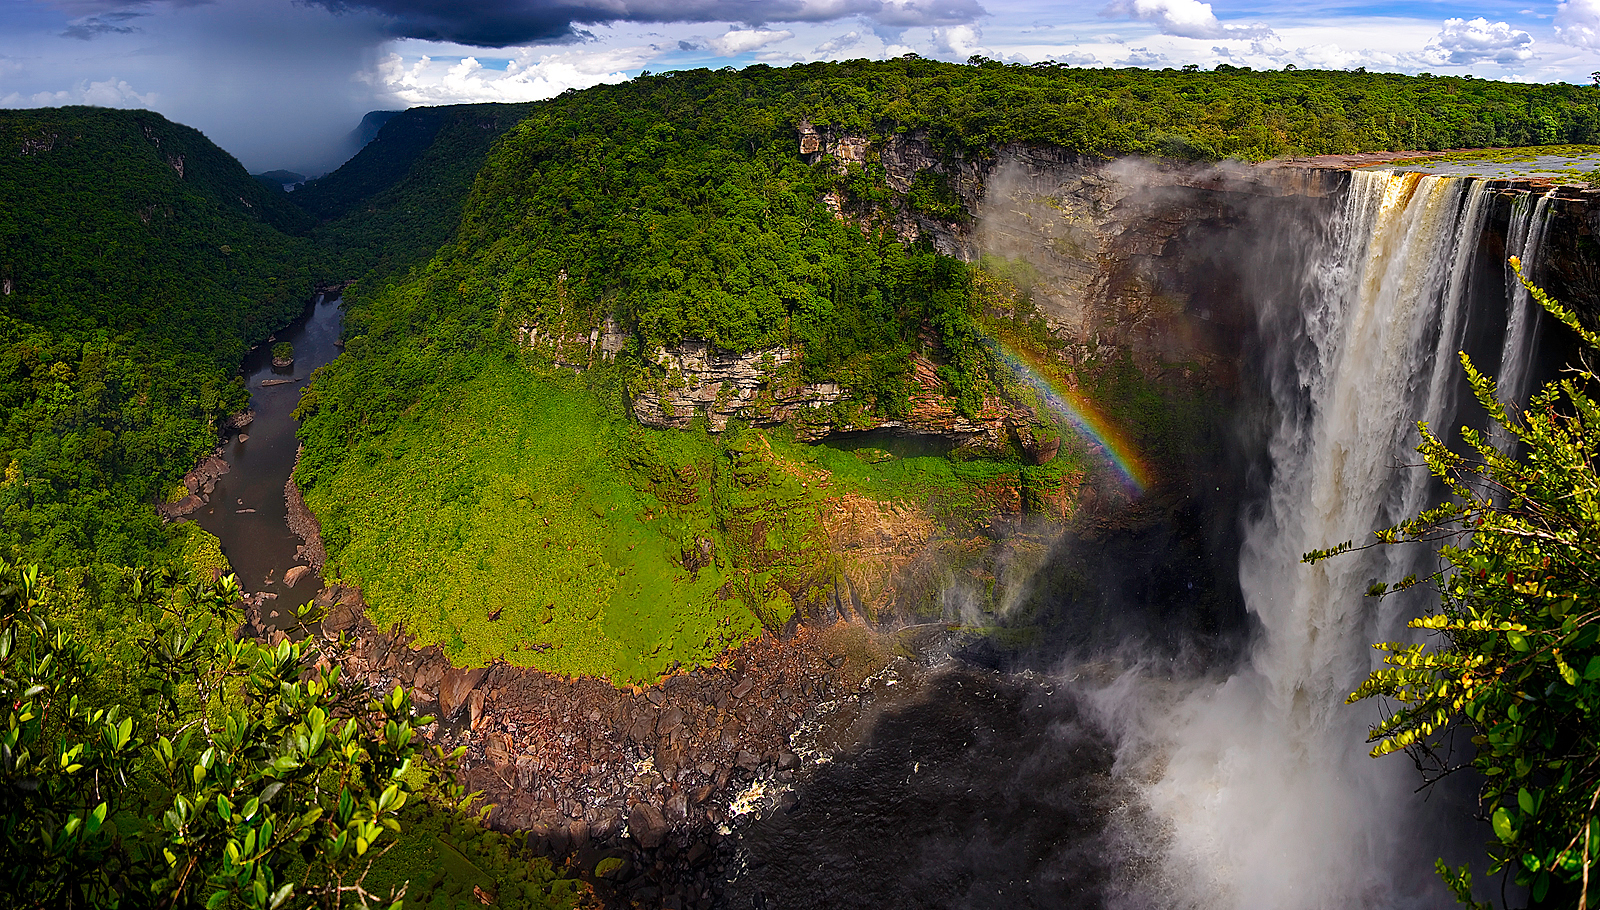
pixel 400 197
pixel 370 125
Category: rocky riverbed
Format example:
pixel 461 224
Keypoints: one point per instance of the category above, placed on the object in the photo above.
pixel 654 778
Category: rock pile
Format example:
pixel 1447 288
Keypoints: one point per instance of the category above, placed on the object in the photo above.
pixel 652 777
pixel 200 483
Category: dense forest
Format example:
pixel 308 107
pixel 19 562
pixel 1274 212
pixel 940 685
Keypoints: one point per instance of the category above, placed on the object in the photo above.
pixel 139 262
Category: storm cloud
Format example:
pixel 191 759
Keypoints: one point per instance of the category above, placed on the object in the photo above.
pixel 502 23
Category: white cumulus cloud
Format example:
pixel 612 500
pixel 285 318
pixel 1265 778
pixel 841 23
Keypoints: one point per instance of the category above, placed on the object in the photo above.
pixel 1182 18
pixel 1578 23
pixel 528 77
pixel 743 40
pixel 959 41
pixel 108 93
pixel 1462 42
pixel 1143 56
pixel 840 43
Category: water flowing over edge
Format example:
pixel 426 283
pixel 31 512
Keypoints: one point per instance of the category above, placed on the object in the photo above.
pixel 1260 788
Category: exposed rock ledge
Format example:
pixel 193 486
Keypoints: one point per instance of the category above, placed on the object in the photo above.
pixel 704 380
pixel 199 483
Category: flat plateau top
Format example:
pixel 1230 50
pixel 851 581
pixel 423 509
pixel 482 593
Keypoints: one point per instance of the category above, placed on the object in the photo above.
pixel 1547 165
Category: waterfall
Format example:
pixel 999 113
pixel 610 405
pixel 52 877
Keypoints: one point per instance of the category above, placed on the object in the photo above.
pixel 1267 793
pixel 1524 239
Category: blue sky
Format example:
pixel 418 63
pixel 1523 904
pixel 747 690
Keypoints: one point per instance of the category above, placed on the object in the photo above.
pixel 280 82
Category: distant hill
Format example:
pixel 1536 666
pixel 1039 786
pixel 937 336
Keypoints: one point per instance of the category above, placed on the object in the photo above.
pixel 279 180
pixel 138 263
pixel 400 197
pixel 369 127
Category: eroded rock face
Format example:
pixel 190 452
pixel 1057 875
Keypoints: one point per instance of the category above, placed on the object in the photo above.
pixel 574 347
pixel 758 387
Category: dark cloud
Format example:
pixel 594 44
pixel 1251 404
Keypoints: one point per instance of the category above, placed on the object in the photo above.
pixel 110 23
pixel 499 23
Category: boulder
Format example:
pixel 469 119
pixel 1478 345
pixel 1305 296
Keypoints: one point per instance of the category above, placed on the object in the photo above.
pixel 455 688
pixel 184 506
pixel 429 674
pixel 647 826
pixel 295 574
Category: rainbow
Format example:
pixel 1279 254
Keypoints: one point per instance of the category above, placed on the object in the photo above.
pixel 1111 443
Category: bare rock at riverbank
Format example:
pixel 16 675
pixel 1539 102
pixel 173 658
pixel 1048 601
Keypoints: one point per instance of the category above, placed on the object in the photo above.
pixel 199 483
pixel 305 525
pixel 578 762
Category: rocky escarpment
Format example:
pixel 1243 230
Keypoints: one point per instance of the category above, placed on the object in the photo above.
pixel 1122 258
pixel 759 387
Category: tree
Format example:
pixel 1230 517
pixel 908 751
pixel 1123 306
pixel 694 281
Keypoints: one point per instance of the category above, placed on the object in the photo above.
pixel 1516 656
pixel 242 774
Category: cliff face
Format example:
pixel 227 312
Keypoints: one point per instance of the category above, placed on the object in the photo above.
pixel 1571 266
pixel 1123 258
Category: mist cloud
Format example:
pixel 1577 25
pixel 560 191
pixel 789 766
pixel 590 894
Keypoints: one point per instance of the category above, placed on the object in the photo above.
pixel 501 23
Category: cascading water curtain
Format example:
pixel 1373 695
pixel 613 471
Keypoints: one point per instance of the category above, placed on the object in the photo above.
pixel 1267 792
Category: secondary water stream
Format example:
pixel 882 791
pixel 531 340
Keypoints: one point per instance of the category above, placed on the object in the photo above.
pixel 247 510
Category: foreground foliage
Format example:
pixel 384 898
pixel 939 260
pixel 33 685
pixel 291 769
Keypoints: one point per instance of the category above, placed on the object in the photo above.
pixel 1518 658
pixel 226 772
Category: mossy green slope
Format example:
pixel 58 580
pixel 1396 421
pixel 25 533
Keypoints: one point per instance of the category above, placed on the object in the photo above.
pixel 503 522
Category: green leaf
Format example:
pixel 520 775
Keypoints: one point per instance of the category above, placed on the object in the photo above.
pixel 1501 822
pixel 1517 640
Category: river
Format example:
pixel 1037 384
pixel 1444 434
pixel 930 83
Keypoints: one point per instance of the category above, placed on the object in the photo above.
pixel 247 511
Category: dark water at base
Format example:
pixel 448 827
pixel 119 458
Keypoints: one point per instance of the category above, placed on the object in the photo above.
pixel 976 790
pixel 247 511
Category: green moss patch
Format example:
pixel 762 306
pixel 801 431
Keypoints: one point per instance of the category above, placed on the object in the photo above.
pixel 510 522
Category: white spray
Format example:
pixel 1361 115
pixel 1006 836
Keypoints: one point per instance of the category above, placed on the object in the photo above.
pixel 1525 238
